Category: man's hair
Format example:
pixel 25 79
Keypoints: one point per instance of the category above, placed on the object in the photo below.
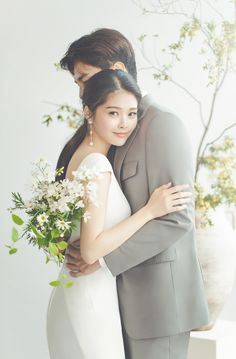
pixel 102 48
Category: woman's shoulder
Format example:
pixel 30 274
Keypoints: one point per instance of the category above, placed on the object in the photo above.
pixel 98 161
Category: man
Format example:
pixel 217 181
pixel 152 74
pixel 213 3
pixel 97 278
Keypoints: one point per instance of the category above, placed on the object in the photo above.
pixel 159 281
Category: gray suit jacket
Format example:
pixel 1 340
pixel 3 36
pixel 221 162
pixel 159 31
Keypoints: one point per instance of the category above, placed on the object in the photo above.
pixel 159 279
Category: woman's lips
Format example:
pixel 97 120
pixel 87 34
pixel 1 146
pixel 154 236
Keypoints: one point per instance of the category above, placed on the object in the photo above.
pixel 121 134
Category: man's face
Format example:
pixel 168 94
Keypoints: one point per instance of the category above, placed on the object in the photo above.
pixel 82 72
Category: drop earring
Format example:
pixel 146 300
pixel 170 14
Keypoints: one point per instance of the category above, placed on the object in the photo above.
pixel 90 132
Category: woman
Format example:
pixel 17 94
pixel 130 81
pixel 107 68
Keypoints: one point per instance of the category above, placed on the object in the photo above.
pixel 83 321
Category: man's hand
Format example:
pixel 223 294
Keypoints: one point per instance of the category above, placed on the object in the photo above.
pixel 78 267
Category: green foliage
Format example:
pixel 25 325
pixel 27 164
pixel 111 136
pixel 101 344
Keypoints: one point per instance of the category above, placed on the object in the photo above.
pixel 53 249
pixel 218 46
pixel 73 117
pixel 68 285
pixel 14 235
pixel 216 40
pixel 57 66
pixel 220 162
pixel 17 220
pixel 17 200
pixel 12 250
pixel 62 282
pixel 142 37
pixel 62 245
pixel 55 283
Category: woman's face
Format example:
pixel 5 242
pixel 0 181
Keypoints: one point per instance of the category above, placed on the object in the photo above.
pixel 115 120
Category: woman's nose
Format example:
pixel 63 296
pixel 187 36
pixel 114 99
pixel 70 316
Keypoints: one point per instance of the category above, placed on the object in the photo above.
pixel 123 122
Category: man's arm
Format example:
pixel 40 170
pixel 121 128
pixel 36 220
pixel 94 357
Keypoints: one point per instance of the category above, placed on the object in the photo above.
pixel 168 158
pixel 76 264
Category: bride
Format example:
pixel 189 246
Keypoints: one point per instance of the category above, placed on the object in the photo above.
pixel 83 322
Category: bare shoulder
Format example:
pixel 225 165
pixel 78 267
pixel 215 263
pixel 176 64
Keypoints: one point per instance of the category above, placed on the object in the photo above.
pixel 97 161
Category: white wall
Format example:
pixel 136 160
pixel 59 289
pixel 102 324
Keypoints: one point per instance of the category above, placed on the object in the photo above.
pixel 33 36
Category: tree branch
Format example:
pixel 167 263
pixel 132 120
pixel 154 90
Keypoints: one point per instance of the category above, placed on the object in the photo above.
pixel 217 138
pixel 206 130
pixel 214 9
pixel 177 84
pixel 164 9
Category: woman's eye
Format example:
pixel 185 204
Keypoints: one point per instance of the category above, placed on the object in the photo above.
pixel 113 113
pixel 133 114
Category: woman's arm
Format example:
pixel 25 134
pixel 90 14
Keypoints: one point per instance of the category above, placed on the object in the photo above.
pixel 95 242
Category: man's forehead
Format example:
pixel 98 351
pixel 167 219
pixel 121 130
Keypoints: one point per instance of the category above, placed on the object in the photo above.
pixel 81 67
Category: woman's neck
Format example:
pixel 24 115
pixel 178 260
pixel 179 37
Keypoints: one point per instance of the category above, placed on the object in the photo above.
pixel 98 146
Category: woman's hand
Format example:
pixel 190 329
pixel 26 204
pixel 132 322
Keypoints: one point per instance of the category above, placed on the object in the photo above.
pixel 166 199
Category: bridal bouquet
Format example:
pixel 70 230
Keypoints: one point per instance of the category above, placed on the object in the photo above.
pixel 53 210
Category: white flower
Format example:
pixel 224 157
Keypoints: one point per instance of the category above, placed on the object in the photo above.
pixel 79 204
pixel 61 224
pixel 42 162
pixel 49 177
pixel 52 189
pixel 53 205
pixel 29 204
pixel 63 204
pixel 85 173
pixel 86 216
pixel 42 218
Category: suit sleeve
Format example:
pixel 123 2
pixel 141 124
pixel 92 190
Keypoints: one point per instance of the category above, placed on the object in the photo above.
pixel 168 159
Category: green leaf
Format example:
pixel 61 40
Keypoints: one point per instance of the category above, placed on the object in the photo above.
pixel 53 249
pixel 55 283
pixel 68 285
pixel 142 37
pixel 14 234
pixel 62 245
pixel 12 250
pixel 47 259
pixel 41 241
pixel 37 233
pixel 17 220
pixel 55 233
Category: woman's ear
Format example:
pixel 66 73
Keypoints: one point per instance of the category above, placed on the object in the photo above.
pixel 87 113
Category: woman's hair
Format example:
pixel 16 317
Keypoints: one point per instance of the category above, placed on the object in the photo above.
pixel 102 48
pixel 96 91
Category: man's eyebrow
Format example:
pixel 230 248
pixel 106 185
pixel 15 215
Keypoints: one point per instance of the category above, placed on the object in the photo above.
pixel 131 108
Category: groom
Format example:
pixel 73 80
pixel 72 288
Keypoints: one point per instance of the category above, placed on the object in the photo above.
pixel 159 280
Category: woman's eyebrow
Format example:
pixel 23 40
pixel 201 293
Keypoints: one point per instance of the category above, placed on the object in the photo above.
pixel 131 108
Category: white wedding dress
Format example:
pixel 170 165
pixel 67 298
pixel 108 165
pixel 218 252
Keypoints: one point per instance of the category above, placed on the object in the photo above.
pixel 83 322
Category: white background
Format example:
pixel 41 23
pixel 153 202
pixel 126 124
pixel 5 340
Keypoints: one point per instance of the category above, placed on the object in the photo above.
pixel 33 36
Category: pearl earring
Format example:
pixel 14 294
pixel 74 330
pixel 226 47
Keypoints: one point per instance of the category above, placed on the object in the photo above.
pixel 90 132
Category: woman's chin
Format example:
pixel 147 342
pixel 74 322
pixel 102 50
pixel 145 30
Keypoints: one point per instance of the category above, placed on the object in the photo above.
pixel 119 142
